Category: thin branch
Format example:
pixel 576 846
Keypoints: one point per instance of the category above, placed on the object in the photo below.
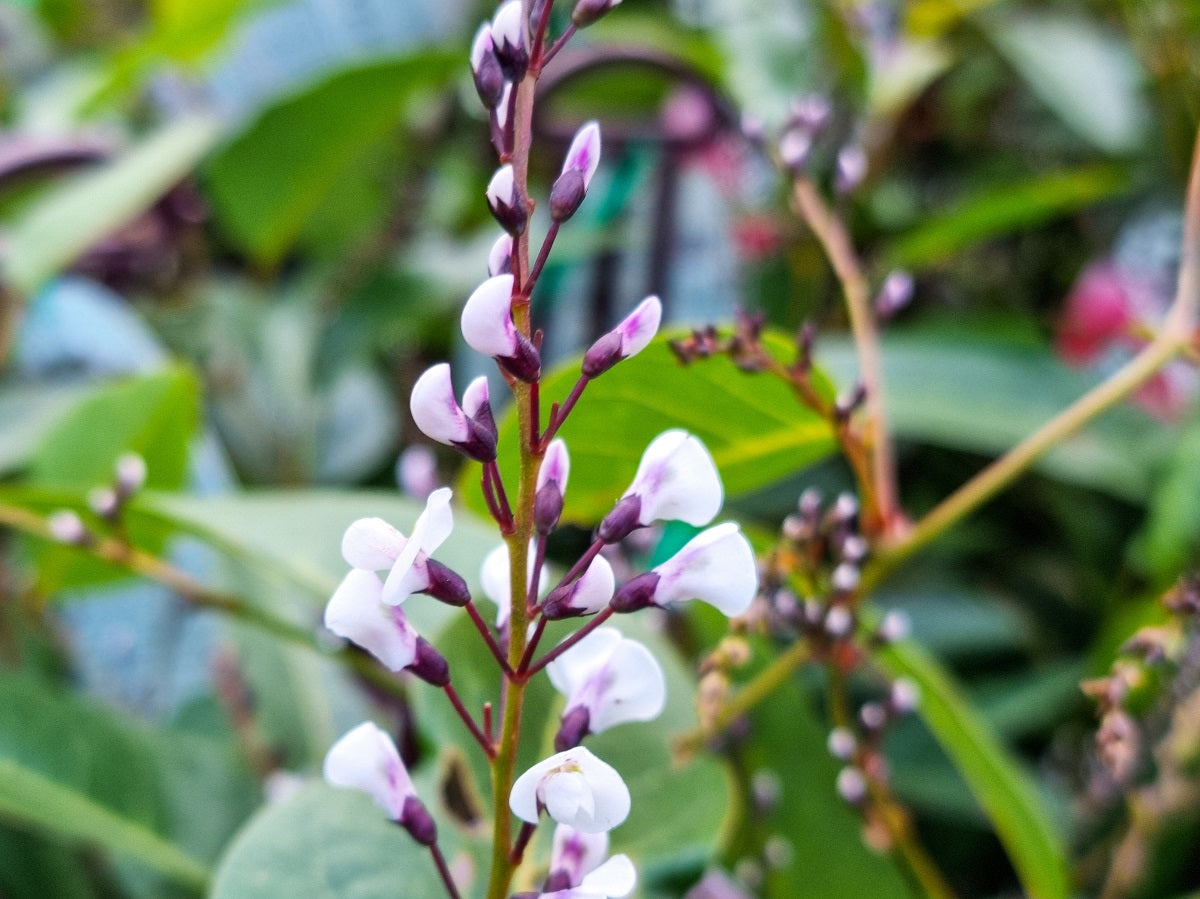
pixel 456 701
pixel 486 633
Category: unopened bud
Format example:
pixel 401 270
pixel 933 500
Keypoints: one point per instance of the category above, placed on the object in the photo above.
pixel 446 585
pixel 904 697
pixel 851 168
pixel 894 627
pixel 588 11
pixel 846 507
pixel 104 502
pixel 794 147
pixel 508 40
pixel 636 594
pixel 841 744
pixel 485 68
pixel 547 508
pixel 845 577
pixel 812 113
pixel 131 474
pixel 504 201
pixel 415 818
pixel 621 521
pixel 500 257
pixel 575 726
pixel 67 527
pixel 839 622
pixel 854 549
pixel 566 195
pixel 848 403
pixel 873 715
pixel 810 503
pixel 894 295
pixel 430 665
pixel 852 785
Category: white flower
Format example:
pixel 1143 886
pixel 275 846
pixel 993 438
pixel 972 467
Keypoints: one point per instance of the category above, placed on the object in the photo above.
pixel 496 582
pixel 716 566
pixel 409 574
pixel 676 480
pixel 575 788
pixel 586 595
pixel 628 338
pixel 575 860
pixel 358 613
pixel 366 759
pixel 469 428
pixel 613 678
pixel 614 879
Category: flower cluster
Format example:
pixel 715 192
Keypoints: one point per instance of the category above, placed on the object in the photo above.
pixel 605 678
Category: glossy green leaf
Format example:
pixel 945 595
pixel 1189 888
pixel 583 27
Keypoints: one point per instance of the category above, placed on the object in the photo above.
pixel 324 843
pixel 1080 69
pixel 36 801
pixel 1006 793
pixel 154 416
pixel 984 396
pixel 269 181
pixel 38 408
pixel 752 424
pixel 72 217
pixel 999 210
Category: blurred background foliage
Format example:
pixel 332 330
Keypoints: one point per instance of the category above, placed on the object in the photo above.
pixel 232 232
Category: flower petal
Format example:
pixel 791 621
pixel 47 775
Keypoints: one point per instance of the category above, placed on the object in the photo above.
pixel 487 318
pixel 576 852
pixel 366 759
pixel 496 582
pixel 614 879
pixel 560 782
pixel 357 613
pixel 639 327
pixel 434 408
pixel 556 466
pixel 583 155
pixel 677 480
pixel 716 566
pixel 372 544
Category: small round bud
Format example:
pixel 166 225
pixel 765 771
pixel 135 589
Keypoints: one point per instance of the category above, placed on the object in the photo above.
pixel 873 715
pixel 839 622
pixel 131 474
pixel 430 665
pixel 67 527
pixel 416 819
pixel 104 502
pixel 852 785
pixel 851 168
pixel 894 627
pixel 905 696
pixel 894 295
pixel 841 744
pixel 845 577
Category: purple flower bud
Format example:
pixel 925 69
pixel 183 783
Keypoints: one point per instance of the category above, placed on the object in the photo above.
pixel 500 258
pixel 430 665
pixel 894 295
pixel 470 429
pixel 446 585
pixel 573 729
pixel 794 148
pixel 508 40
pixel 627 339
pixel 845 577
pixel 851 785
pixel 551 485
pixel 488 328
pixel 505 202
pixel 485 68
pixel 67 527
pixel 637 593
pixel 104 502
pixel 839 622
pixel 873 715
pixel 131 474
pixel 851 168
pixel 904 697
pixel 588 11
pixel 812 113
pixel 842 744
pixel 416 819
pixel 894 627
pixel 580 165
pixel 622 521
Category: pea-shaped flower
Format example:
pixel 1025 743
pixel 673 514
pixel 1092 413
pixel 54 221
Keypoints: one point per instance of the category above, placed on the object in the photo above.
pixel 583 158
pixel 488 328
pixel 586 595
pixel 470 428
pixel 575 788
pixel 632 335
pixel 676 480
pixel 577 869
pixel 551 487
pixel 716 566
pixel 608 679
pixel 366 759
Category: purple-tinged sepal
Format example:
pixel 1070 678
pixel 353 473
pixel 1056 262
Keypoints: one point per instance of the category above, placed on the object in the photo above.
pixel 509 40
pixel 485 68
pixel 586 595
pixel 628 338
pixel 580 165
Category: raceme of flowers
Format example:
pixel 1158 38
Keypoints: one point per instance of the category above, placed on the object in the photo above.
pixel 606 679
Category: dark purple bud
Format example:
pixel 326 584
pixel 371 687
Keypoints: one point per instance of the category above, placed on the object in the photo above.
pixel 557 605
pixel 526 363
pixel 415 818
pixel 602 355
pixel 558 880
pixel 575 726
pixel 547 508
pixel 446 585
pixel 430 665
pixel 505 203
pixel 483 433
pixel 485 68
pixel 566 195
pixel 588 11
pixel 636 594
pixel 621 521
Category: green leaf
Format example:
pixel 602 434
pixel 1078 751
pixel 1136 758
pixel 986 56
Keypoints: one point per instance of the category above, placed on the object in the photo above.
pixel 324 843
pixel 1006 793
pixel 786 750
pixel 753 425
pixel 1086 74
pixel 984 396
pixel 72 770
pixel 268 182
pixel 154 416
pixel 1168 540
pixel 38 407
pixel 999 210
pixel 32 800
pixel 72 217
